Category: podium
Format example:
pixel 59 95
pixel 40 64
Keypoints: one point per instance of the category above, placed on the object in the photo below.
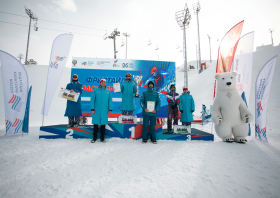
pixel 114 129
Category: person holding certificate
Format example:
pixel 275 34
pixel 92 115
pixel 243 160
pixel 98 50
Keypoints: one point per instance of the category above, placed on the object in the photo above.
pixel 74 109
pixel 101 104
pixel 150 103
pixel 128 89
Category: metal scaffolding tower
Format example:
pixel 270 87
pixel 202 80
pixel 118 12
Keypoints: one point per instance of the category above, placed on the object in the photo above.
pixel 183 18
pixel 196 8
pixel 33 16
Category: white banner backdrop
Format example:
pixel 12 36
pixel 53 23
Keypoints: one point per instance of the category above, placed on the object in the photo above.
pixel 59 55
pixel 243 65
pixel 262 92
pixel 15 90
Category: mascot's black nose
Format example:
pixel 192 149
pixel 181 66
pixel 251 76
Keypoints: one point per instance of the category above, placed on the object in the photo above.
pixel 228 83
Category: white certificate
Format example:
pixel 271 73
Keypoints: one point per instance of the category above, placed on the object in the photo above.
pixel 150 106
pixel 117 87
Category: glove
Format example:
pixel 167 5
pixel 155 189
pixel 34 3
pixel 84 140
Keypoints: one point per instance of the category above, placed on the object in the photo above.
pixel 192 111
pixel 181 111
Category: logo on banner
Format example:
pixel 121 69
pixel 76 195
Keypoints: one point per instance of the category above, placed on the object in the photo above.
pixel 8 125
pixel 127 65
pixel 90 63
pixel 74 62
pixel 240 87
pixel 16 104
pixel 84 63
pixel 224 64
pixel 17 124
pixel 259 108
pixel 115 65
pixel 261 132
pixel 55 64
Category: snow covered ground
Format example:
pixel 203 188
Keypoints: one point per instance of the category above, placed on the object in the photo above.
pixel 33 167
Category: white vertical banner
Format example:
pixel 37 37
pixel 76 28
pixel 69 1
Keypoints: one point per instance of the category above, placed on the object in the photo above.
pixel 243 65
pixel 59 55
pixel 15 90
pixel 262 92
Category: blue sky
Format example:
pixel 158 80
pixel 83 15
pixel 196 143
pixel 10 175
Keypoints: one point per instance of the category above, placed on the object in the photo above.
pixel 144 20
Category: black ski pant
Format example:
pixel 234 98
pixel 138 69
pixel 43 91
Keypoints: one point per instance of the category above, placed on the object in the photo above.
pixel 95 130
pixel 174 112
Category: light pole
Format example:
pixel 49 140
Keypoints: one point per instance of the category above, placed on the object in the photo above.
pixel 183 18
pixel 126 35
pixel 209 46
pixel 196 8
pixel 33 16
pixel 270 31
pixel 113 36
pixel 20 56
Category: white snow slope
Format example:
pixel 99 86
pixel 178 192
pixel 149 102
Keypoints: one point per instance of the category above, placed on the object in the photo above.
pixel 33 167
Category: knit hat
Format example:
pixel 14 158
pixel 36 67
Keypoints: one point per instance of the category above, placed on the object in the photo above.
pixel 102 80
pixel 185 88
pixel 75 76
pixel 128 74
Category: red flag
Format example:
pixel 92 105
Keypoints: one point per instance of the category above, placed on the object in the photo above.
pixel 227 49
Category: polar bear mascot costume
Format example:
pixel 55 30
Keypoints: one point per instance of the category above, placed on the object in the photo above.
pixel 230 113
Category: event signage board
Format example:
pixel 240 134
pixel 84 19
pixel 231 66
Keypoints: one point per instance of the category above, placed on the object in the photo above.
pixel 262 93
pixel 58 58
pixel 15 92
pixel 91 70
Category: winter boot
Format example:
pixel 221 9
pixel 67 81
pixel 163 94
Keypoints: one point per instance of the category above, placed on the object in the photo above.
pixel 70 125
pixel 154 141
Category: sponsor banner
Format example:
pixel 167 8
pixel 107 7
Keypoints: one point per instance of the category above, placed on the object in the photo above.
pixel 103 63
pixel 227 50
pixel 262 92
pixel 25 127
pixel 243 64
pixel 59 55
pixel 160 72
pixel 15 90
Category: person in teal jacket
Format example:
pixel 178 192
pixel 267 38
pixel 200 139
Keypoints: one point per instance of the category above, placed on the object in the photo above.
pixel 128 89
pixel 187 107
pixel 74 109
pixel 149 116
pixel 101 105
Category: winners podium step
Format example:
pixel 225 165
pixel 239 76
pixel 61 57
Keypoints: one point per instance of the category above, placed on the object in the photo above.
pixel 194 135
pixel 114 129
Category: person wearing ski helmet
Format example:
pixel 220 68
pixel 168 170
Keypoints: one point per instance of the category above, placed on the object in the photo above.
pixel 149 118
pixel 187 107
pixel 74 109
pixel 101 104
pixel 173 100
pixel 128 89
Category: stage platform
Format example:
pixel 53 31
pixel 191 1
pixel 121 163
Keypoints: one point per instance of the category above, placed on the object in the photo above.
pixel 114 129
